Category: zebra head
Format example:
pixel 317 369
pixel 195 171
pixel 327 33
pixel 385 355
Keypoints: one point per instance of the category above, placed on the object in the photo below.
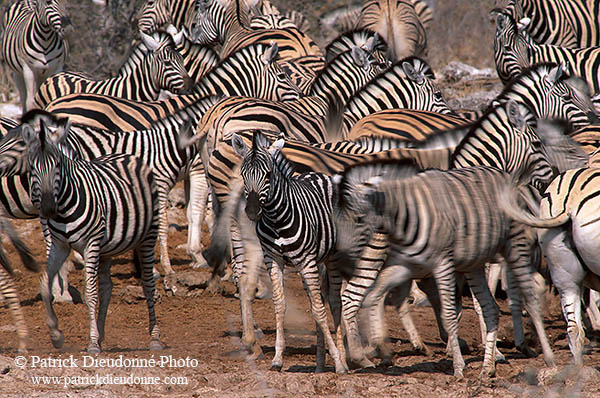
pixel 426 92
pixel 52 13
pixel 207 24
pixel 524 153
pixel 550 93
pixel 256 168
pixel 362 207
pixel 511 47
pixel 274 76
pixel 167 66
pixel 154 14
pixel 45 158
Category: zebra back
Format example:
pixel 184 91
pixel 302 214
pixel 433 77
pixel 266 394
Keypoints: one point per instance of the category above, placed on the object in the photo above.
pixel 117 114
pixel 362 38
pixel 154 14
pixel 161 68
pixel 399 25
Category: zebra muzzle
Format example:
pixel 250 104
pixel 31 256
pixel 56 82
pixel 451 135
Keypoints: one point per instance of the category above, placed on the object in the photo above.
pixel 252 206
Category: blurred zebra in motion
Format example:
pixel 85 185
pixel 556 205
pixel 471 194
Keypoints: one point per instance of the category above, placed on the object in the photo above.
pixel 99 208
pixel 429 237
pixel 33 44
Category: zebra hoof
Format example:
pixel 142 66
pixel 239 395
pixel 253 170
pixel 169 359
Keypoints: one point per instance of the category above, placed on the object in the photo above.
pixel 500 356
pixel 527 351
pixel 276 366
pixel 340 369
pixel 58 338
pixel 487 373
pixel 94 349
pixel 156 345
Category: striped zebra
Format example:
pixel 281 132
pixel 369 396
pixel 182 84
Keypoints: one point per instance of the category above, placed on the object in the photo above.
pixel 398 23
pixel 294 226
pixel 98 208
pixel 198 60
pixel 565 23
pixel 408 83
pixel 362 38
pixel 468 227
pixel 155 14
pixel 568 214
pixel 545 89
pixel 162 68
pixel 228 23
pixel 514 50
pixel 33 45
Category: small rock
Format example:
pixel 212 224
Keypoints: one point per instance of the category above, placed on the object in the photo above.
pixel 187 283
pixel 132 294
pixel 176 198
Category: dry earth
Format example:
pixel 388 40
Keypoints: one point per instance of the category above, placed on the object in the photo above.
pixel 201 335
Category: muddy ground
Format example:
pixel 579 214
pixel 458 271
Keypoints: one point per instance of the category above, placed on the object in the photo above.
pixel 201 333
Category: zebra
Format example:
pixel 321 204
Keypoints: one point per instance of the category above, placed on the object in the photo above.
pixel 545 89
pixel 468 227
pixel 228 23
pixel 514 50
pixel 565 23
pixel 408 83
pixel 198 60
pixel 155 14
pixel 362 38
pixel 161 68
pixel 398 23
pixel 33 44
pixel 114 212
pixel 293 224
pixel 568 218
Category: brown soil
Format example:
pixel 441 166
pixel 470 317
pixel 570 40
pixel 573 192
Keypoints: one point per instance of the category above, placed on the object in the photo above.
pixel 206 328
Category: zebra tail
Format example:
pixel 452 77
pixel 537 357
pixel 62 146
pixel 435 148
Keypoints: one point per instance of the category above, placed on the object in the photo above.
pixel 218 254
pixel 508 200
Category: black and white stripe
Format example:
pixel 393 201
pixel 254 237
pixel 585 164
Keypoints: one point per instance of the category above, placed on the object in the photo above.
pixel 33 46
pixel 98 208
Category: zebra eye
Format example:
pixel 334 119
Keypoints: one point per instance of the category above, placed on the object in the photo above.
pixel 282 76
pixel 438 95
pixel 168 62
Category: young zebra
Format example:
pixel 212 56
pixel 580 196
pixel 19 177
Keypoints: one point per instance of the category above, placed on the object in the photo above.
pixel 569 211
pixel 429 237
pixel 162 68
pixel 99 208
pixel 294 227
pixel 33 45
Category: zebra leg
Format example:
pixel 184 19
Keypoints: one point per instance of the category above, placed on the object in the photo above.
pixel 31 87
pixel 478 283
pixel 592 310
pixel 92 264
pixel 198 197
pixel 163 233
pixel 105 286
pixel 20 83
pixel 57 255
pixel 483 328
pixel 446 282
pixel 279 305
pixel 334 277
pixel 9 295
pixel 515 305
pixel 519 260
pixel 395 298
pixel 252 258
pixel 146 257
pixel 374 304
pixel 310 276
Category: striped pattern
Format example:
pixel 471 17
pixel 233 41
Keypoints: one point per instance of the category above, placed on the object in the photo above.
pixel 228 23
pixel 468 227
pixel 114 212
pixel 162 68
pixel 398 23
pixel 565 23
pixel 293 224
pixel 32 44
pixel 514 50
pixel 155 14
pixel 571 201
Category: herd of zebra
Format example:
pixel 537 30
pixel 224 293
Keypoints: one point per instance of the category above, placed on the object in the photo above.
pixel 347 161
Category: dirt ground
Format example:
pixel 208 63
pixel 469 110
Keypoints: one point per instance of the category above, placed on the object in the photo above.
pixel 202 358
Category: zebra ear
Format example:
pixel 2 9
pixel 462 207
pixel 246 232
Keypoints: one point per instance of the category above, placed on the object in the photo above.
pixel 555 74
pixel 175 35
pixel 371 43
pixel 523 24
pixel 412 73
pixel 271 54
pixel 252 3
pixel 516 116
pixel 276 146
pixel 360 57
pixel 29 135
pixel 500 23
pixel 239 146
pixel 149 41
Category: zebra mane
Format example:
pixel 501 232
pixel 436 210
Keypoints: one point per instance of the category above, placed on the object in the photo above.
pixel 283 165
pixel 138 50
pixel 357 37
pixel 364 174
pixel 529 72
